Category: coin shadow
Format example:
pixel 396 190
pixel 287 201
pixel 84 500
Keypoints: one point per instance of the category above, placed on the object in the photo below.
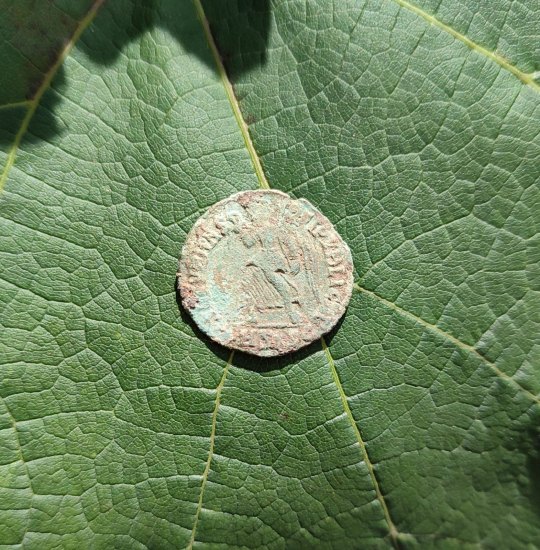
pixel 267 364
pixel 248 361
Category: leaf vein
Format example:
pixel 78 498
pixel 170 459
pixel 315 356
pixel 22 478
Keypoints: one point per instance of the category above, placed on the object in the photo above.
pixel 380 497
pixel 526 78
pixel 244 130
pixel 210 451
pixel 447 336
pixel 15 104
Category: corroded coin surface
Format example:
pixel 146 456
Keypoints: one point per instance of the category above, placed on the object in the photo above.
pixel 264 273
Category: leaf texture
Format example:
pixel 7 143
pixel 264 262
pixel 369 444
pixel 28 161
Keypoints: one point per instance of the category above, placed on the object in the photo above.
pixel 415 424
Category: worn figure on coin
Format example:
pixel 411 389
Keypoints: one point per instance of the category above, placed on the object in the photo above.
pixel 275 259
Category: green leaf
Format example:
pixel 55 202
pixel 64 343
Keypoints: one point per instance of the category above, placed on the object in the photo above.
pixel 413 127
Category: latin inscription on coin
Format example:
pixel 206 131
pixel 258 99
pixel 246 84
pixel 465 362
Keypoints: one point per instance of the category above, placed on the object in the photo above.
pixel 264 273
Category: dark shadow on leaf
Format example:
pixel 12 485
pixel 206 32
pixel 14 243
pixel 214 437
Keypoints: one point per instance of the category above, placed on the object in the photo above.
pixel 10 122
pixel 243 51
pixel 120 22
pixel 43 125
pixel 330 335
pixel 266 364
pixel 123 21
pixel 33 34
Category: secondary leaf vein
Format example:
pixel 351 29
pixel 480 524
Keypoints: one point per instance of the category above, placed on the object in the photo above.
pixel 447 336
pixel 380 497
pixel 19 446
pixel 14 104
pixel 210 451
pixel 526 78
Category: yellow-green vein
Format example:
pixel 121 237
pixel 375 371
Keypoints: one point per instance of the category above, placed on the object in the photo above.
pixel 232 98
pixel 447 336
pixel 14 104
pixel 49 75
pixel 210 450
pixel 526 78
pixel 380 497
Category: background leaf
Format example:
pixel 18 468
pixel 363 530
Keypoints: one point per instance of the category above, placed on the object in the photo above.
pixel 414 129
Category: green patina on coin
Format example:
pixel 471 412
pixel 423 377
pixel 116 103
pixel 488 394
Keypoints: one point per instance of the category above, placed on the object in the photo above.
pixel 264 273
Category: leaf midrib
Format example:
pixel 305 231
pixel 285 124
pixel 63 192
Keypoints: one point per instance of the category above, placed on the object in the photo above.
pixel 345 404
pixel 206 471
pixel 263 184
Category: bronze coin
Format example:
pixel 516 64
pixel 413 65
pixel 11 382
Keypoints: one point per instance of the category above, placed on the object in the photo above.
pixel 264 273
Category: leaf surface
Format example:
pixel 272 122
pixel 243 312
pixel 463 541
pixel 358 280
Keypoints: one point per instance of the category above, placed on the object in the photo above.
pixel 414 129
